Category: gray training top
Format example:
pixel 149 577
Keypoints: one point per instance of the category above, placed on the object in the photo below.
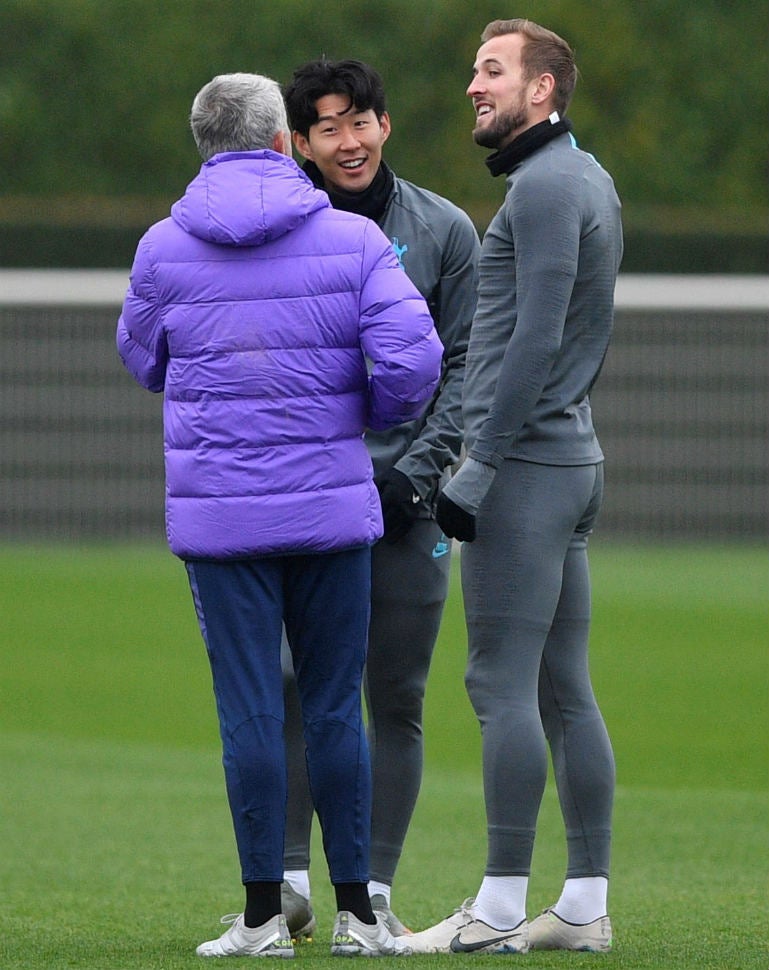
pixel 437 246
pixel 545 311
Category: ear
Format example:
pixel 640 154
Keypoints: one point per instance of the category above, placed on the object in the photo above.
pixel 302 145
pixel 384 124
pixel 281 143
pixel 544 87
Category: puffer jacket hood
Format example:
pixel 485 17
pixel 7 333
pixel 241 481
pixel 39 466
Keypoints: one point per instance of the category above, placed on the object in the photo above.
pixel 231 203
pixel 278 330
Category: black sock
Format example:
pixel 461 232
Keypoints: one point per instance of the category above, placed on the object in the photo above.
pixel 353 897
pixel 262 902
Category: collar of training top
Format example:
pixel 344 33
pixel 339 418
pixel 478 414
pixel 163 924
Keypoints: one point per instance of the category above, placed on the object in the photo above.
pixel 371 202
pixel 506 159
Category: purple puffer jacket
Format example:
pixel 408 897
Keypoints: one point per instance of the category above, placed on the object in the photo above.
pixel 279 329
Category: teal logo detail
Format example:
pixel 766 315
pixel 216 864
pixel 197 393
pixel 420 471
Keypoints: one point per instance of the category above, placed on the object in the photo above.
pixel 400 251
pixel 441 547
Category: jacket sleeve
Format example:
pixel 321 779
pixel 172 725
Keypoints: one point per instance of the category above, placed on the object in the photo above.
pixel 438 444
pixel 141 339
pixel 397 336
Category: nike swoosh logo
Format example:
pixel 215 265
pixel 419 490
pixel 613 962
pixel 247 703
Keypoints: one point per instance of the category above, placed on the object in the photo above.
pixel 457 946
pixel 441 548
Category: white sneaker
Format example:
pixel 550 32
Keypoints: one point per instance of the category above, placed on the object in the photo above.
pixel 549 932
pixel 352 938
pixel 300 918
pixel 271 939
pixel 463 933
pixel 388 917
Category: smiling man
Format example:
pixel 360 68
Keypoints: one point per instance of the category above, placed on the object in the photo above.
pixel 345 143
pixel 528 494
pixel 340 124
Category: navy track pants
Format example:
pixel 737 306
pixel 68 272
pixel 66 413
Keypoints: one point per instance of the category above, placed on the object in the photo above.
pixel 324 602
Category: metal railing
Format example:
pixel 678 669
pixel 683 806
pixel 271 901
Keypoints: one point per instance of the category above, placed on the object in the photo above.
pixel 681 409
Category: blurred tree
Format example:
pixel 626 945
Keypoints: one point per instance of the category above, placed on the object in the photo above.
pixel 95 96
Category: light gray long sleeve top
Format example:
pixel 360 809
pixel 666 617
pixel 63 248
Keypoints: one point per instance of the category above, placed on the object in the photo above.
pixel 438 248
pixel 549 262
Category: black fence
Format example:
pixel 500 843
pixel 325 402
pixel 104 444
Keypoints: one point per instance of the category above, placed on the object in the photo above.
pixel 681 409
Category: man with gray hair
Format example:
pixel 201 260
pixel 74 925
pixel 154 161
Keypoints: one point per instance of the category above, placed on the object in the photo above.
pixel 235 112
pixel 279 329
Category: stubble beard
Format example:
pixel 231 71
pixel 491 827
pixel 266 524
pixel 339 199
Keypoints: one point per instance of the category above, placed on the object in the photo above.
pixel 498 133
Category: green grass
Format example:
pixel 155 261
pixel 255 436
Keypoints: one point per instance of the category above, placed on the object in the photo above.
pixel 116 848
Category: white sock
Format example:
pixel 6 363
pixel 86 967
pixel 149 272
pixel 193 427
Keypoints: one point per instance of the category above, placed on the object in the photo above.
pixel 380 889
pixel 583 900
pixel 298 880
pixel 501 901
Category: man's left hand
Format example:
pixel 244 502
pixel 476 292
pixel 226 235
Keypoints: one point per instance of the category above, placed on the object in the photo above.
pixel 455 522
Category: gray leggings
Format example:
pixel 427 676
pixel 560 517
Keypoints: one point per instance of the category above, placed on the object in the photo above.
pixel 526 590
pixel 409 584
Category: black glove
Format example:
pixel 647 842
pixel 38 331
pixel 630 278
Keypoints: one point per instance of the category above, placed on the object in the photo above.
pixel 455 522
pixel 400 504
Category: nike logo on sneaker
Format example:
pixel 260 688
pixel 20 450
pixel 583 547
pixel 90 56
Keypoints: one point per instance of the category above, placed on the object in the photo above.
pixel 499 941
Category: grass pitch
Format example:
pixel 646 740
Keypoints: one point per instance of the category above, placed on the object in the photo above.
pixel 116 844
